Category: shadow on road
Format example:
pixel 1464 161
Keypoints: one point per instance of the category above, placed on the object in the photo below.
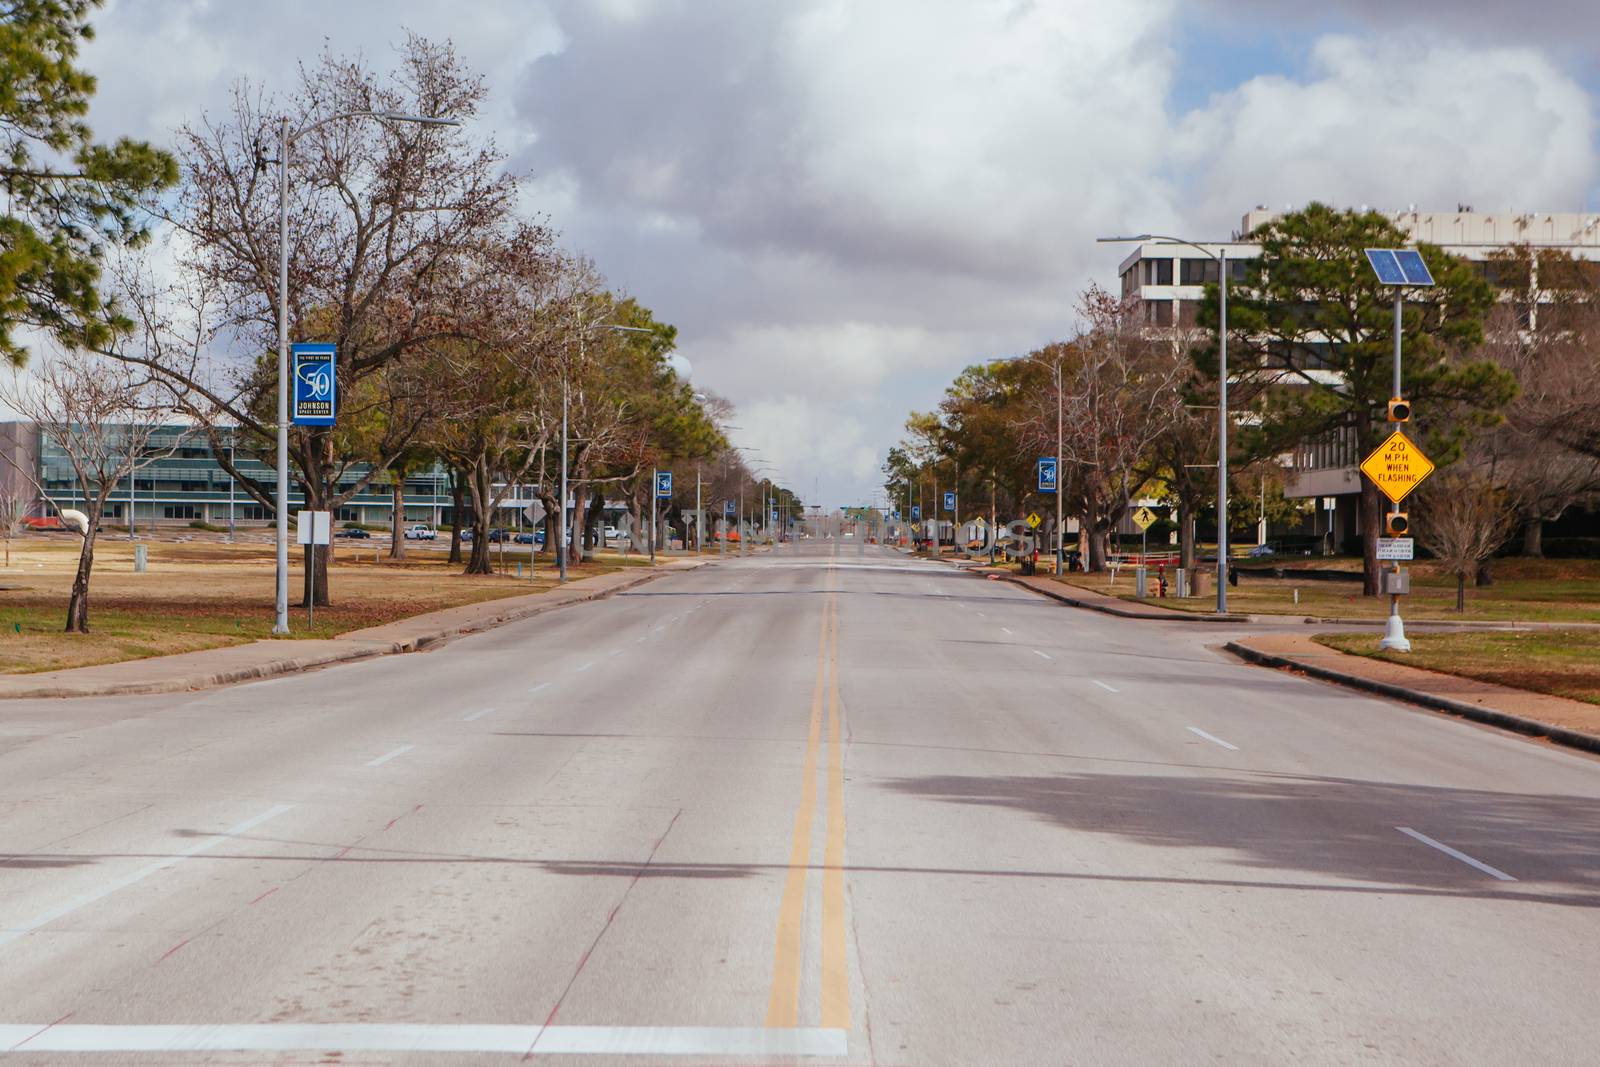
pixel 1338 828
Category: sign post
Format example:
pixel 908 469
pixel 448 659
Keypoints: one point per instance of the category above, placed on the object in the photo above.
pixel 1400 466
pixel 1144 518
pixel 313 528
pixel 663 480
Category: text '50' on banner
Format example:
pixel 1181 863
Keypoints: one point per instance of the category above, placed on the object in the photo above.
pixel 314 399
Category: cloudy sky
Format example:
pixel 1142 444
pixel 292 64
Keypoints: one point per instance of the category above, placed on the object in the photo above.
pixel 840 204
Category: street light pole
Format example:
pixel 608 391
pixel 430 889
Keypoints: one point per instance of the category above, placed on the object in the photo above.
pixel 1061 535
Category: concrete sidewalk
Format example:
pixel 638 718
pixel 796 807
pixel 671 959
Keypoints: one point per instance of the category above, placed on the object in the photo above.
pixel 1567 722
pixel 264 659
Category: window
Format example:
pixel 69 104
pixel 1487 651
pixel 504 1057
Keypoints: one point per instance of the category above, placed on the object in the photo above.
pixel 1188 312
pixel 349 515
pixel 112 511
pixel 1130 282
pixel 1237 270
pixel 194 487
pixel 1198 271
pixel 1158 312
pixel 254 513
pixel 144 483
pixel 181 511
pixel 1158 272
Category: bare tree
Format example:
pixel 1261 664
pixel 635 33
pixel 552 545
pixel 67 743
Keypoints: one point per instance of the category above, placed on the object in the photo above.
pixel 385 223
pixel 15 503
pixel 105 416
pixel 1120 394
pixel 1465 518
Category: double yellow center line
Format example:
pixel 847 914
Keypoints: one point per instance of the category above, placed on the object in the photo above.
pixel 783 1004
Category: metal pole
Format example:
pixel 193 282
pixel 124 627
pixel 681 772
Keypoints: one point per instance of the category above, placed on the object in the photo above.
pixel 1394 634
pixel 281 623
pixel 1222 437
pixel 699 519
pixel 561 504
pixel 653 524
pixel 1061 536
pixel 232 481
pixel 744 531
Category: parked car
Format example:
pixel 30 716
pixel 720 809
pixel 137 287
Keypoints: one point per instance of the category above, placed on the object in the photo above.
pixel 499 534
pixel 611 533
pixel 1262 550
pixel 527 537
pixel 353 532
pixel 420 531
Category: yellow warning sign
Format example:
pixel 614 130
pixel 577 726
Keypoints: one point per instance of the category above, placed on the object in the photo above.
pixel 1144 518
pixel 1034 520
pixel 1397 467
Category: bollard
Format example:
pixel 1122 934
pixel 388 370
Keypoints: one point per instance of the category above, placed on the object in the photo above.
pixel 141 558
pixel 1139 582
pixel 1180 582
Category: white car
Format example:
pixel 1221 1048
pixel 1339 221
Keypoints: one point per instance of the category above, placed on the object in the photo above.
pixel 420 532
pixel 611 533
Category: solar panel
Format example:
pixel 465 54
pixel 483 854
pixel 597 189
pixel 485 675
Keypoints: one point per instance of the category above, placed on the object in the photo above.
pixel 1412 266
pixel 1386 266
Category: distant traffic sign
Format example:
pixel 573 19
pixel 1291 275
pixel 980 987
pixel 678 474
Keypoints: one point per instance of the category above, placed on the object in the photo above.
pixel 727 507
pixel 1144 518
pixel 916 512
pixel 1047 474
pixel 1397 467
pixel 1396 548
pixel 663 484
pixel 949 501
pixel 1034 520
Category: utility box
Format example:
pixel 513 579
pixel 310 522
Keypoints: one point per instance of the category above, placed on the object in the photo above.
pixel 141 558
pixel 1397 582
pixel 1180 582
pixel 1141 582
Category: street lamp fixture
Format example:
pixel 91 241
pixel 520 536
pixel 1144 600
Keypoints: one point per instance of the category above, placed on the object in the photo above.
pixel 286 140
pixel 1221 259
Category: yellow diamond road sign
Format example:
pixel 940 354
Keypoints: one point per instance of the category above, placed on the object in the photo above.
pixel 1034 520
pixel 1144 518
pixel 1397 466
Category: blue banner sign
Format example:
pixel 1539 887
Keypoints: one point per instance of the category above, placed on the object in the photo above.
pixel 1047 474
pixel 949 501
pixel 916 512
pixel 314 400
pixel 727 507
pixel 663 484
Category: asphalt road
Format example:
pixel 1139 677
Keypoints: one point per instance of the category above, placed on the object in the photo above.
pixel 829 805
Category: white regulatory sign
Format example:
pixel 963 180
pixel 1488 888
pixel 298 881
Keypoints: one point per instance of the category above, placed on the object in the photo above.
pixel 313 527
pixel 1396 548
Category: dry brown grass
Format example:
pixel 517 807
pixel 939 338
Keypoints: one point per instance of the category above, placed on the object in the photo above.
pixel 207 593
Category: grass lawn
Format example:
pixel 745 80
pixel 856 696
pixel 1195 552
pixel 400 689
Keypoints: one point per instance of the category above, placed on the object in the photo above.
pixel 1561 663
pixel 1531 590
pixel 208 593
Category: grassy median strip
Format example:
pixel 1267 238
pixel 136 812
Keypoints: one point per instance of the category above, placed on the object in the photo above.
pixel 208 594
pixel 1563 663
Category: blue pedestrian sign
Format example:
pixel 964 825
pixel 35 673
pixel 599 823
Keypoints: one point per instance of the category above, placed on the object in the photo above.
pixel 949 501
pixel 916 512
pixel 727 507
pixel 663 484
pixel 313 401
pixel 1047 474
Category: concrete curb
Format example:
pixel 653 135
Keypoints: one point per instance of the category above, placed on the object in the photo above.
pixel 1107 609
pixel 1488 716
pixel 359 649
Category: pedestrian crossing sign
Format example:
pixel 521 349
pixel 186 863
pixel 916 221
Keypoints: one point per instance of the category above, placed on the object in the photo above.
pixel 1034 520
pixel 1144 518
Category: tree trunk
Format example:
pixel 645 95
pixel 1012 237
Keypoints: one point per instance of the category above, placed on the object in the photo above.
pixel 1371 524
pixel 457 511
pixel 78 604
pixel 1533 539
pixel 1483 576
pixel 397 540
pixel 478 482
pixel 1461 592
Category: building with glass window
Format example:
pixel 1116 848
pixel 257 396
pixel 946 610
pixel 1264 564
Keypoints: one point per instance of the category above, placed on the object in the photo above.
pixel 181 481
pixel 1168 282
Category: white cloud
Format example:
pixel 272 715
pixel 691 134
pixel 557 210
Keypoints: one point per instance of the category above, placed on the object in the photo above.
pixel 1389 124
pixel 842 203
